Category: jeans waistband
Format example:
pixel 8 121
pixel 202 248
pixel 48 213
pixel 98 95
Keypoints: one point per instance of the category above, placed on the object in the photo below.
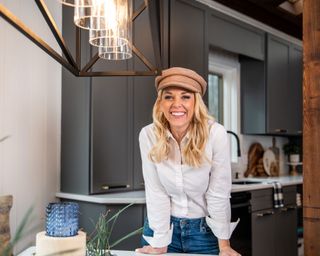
pixel 191 221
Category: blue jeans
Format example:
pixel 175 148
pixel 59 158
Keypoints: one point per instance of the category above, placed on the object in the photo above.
pixel 189 236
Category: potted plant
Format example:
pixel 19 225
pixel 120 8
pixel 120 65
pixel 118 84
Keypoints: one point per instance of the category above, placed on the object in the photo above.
pixel 99 243
pixel 292 150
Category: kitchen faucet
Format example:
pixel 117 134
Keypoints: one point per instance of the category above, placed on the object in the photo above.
pixel 238 142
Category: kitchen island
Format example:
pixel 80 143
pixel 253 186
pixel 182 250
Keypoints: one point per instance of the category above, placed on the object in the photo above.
pixel 263 228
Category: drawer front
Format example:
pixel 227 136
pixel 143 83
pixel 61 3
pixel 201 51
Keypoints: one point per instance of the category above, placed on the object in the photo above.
pixel 261 199
pixel 289 195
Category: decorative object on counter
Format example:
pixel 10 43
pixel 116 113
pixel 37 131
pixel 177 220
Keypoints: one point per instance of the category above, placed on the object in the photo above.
pixel 269 162
pixel 62 235
pixel 62 219
pixel 113 19
pixel 99 243
pixel 6 249
pixel 293 168
pixel 276 167
pixel 255 161
pixel 5 207
pixel 277 195
pixel 292 150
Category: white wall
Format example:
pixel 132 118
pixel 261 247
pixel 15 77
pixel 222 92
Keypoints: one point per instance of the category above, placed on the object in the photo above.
pixel 30 111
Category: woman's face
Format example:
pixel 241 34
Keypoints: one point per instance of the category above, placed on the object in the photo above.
pixel 178 107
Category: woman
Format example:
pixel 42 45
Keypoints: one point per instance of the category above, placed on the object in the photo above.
pixel 186 169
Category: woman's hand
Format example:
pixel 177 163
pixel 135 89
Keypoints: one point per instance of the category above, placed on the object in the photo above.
pixel 228 251
pixel 225 249
pixel 148 249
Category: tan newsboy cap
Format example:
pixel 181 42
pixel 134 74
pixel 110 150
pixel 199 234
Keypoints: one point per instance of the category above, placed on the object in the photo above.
pixel 181 77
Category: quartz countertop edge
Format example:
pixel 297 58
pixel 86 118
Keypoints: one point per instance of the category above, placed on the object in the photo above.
pixel 31 250
pixel 138 197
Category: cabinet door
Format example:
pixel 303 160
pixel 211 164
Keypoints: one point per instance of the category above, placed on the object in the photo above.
pixel 230 34
pixel 263 243
pixel 144 92
pixel 75 117
pixel 111 161
pixel 278 106
pixel 188 41
pixel 285 234
pixel 295 90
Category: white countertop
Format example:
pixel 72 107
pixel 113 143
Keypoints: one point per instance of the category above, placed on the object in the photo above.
pixel 31 252
pixel 138 197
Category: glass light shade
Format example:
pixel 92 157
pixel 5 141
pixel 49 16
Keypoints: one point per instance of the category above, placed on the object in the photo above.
pixel 90 17
pixel 73 3
pixel 114 34
pixel 62 219
pixel 115 53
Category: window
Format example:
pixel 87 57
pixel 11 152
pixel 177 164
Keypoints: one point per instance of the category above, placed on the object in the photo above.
pixel 215 90
pixel 223 92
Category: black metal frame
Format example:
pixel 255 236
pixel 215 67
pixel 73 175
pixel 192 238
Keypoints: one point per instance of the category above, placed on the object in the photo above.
pixel 74 65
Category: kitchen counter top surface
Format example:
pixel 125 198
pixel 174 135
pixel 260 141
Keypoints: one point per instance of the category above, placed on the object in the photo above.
pixel 138 197
pixel 31 251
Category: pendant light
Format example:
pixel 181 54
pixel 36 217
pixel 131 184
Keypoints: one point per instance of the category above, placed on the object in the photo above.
pixel 73 3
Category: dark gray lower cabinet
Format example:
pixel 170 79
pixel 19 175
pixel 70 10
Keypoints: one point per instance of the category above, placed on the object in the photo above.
pixel 286 231
pixel 264 230
pixel 263 242
pixel 128 221
pixel 274 231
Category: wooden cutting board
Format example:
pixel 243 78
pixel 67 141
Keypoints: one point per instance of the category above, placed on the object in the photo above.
pixel 255 162
pixel 275 169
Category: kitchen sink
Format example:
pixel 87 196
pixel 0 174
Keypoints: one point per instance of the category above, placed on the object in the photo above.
pixel 245 182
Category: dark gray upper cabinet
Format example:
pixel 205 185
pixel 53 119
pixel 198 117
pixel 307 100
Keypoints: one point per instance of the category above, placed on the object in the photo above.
pixel 235 36
pixel 278 65
pixel 143 93
pixel 272 96
pixel 295 88
pixel 110 143
pixel 188 38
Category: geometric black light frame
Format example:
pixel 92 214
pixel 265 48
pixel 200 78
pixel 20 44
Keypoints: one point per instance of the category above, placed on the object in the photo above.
pixel 74 65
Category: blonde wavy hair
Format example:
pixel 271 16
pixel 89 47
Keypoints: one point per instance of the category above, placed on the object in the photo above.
pixel 193 151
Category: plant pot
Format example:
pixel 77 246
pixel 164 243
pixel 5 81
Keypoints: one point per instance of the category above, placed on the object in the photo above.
pixel 5 207
pixel 294 158
pixel 98 252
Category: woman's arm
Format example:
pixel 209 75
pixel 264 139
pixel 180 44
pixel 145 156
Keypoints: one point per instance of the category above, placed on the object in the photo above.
pixel 157 199
pixel 218 193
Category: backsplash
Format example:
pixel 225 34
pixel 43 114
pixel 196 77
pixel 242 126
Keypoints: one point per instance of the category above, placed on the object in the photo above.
pixel 266 142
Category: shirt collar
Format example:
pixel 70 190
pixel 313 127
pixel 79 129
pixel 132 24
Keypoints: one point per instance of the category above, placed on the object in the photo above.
pixel 185 138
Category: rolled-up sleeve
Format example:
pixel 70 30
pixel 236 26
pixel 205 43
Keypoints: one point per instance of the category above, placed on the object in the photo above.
pixel 157 199
pixel 219 189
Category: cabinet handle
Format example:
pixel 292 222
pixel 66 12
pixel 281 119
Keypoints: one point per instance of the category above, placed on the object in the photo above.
pixel 299 132
pixel 265 213
pixel 292 207
pixel 281 130
pixel 107 187
pixel 289 208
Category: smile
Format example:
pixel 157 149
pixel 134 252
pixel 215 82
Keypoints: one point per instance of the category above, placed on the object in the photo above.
pixel 178 113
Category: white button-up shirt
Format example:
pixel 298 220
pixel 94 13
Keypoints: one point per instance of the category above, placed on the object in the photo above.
pixel 174 188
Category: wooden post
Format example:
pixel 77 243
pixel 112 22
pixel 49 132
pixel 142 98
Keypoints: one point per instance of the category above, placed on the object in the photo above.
pixel 311 127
